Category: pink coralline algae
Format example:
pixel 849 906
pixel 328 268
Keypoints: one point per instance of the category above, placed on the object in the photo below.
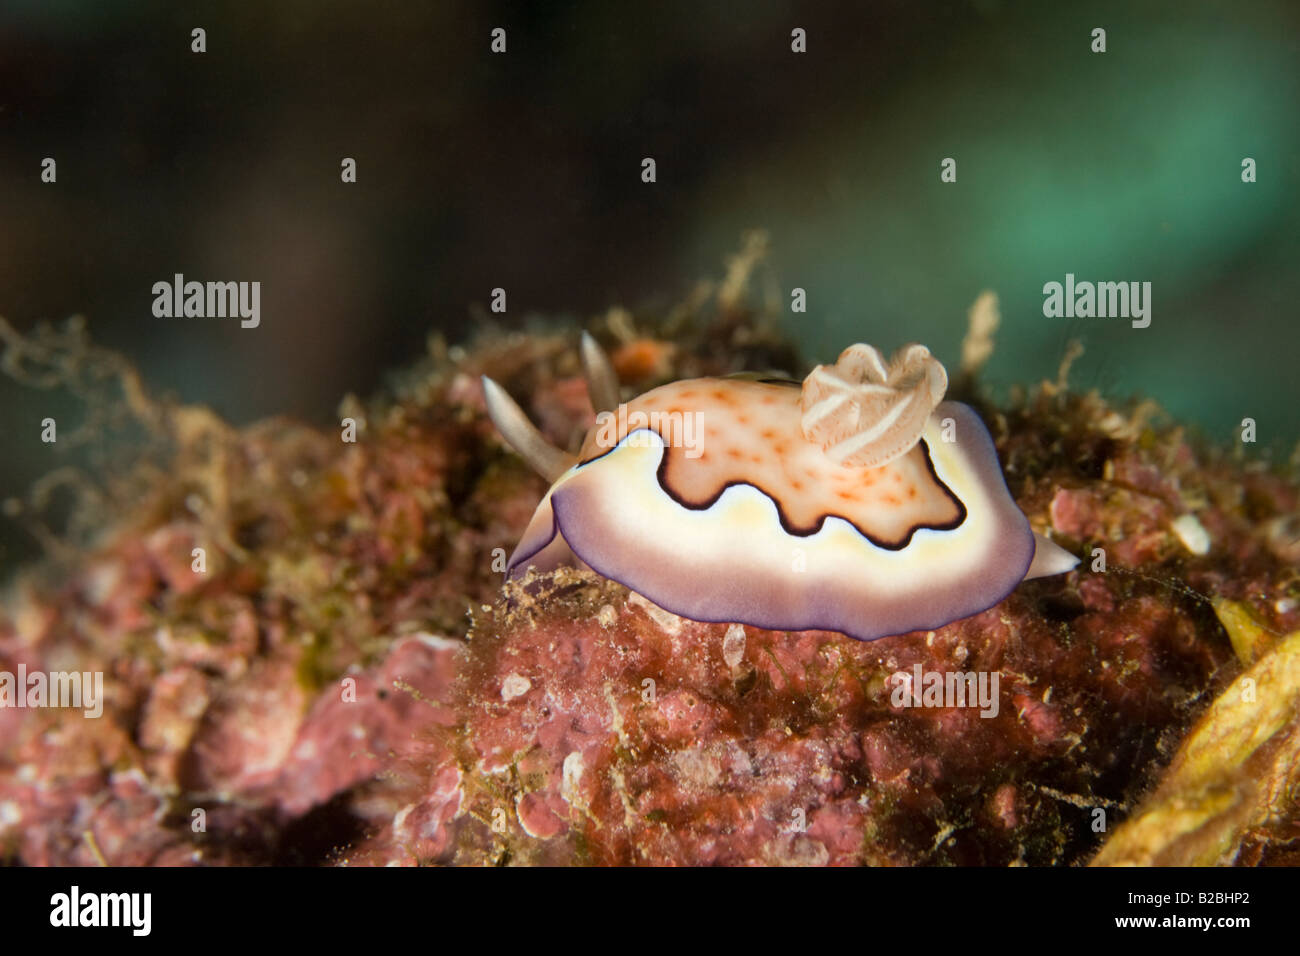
pixel 639 743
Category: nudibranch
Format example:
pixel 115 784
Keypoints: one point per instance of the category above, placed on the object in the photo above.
pixel 859 502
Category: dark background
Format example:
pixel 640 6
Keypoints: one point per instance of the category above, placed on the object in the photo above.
pixel 523 171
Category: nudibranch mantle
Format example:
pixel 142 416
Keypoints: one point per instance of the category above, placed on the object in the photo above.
pixel 715 500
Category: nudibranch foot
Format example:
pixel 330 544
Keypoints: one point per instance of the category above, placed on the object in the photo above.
pixel 744 501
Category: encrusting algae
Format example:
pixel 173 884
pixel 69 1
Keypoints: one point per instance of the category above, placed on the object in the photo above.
pixel 346 682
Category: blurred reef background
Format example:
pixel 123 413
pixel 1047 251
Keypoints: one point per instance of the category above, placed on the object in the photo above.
pixel 521 171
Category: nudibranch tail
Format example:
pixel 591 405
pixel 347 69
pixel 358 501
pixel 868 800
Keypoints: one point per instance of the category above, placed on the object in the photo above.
pixel 1049 558
pixel 514 426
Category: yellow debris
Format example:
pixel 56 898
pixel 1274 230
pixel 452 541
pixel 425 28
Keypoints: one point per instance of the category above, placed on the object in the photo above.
pixel 1248 637
pixel 1238 768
